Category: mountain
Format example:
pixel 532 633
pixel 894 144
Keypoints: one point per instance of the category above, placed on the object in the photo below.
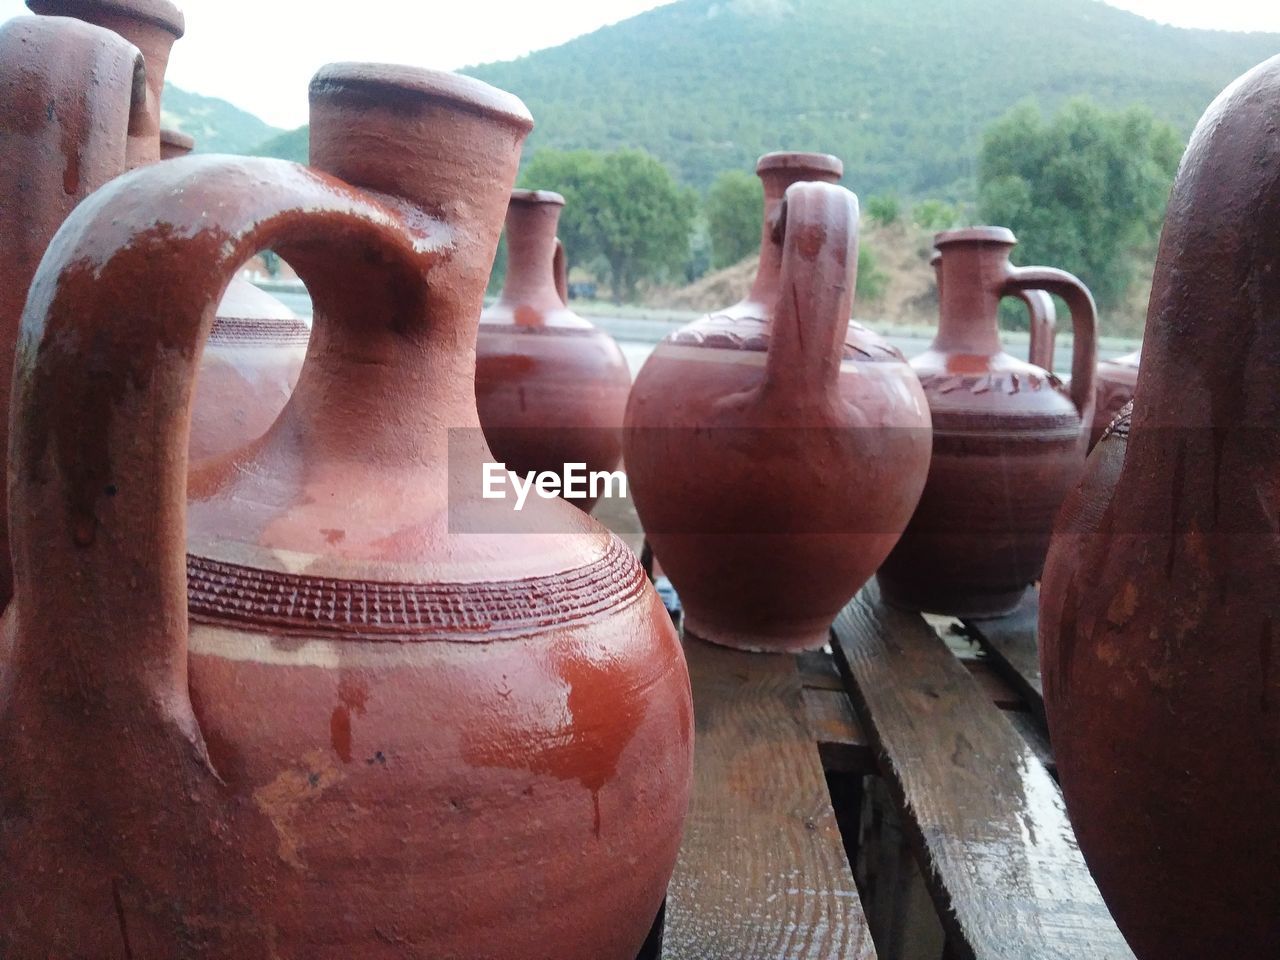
pixel 218 126
pixel 900 89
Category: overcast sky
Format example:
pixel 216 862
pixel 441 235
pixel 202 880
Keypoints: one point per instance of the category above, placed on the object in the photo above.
pixel 260 55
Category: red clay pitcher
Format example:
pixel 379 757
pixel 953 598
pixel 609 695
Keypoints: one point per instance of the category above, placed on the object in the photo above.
pixel 775 453
pixel 1158 607
pixel 1008 438
pixel 316 710
pixel 551 387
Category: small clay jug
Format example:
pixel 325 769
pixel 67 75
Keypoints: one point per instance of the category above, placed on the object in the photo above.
pixel 1116 380
pixel 1042 318
pixel 69 95
pixel 252 358
pixel 175 143
pixel 551 387
pixel 776 454
pixel 317 710
pixel 1158 606
pixel 1008 437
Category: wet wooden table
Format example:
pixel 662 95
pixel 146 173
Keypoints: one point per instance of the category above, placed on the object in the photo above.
pixel 894 797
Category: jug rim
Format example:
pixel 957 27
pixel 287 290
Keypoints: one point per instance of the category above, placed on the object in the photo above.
pixel 396 81
pixel 160 13
pixel 795 159
pixel 975 235
pixel 537 197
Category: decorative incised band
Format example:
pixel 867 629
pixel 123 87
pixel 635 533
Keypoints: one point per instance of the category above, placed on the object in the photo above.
pixel 257 332
pixel 232 594
pixel 1119 425
pixel 991 382
pixel 861 344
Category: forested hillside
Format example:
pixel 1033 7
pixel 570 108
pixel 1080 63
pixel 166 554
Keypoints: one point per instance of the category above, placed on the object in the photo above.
pixel 900 89
pixel 218 126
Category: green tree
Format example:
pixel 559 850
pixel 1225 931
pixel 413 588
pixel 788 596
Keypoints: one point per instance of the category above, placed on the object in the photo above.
pixel 271 260
pixel 623 208
pixel 885 209
pixel 640 220
pixel 1084 191
pixel 734 207
pixel 935 215
pixel 573 174
pixel 872 281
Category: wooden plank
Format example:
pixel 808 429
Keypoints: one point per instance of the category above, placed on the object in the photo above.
pixel 1037 738
pixel 988 821
pixel 1011 643
pixel 819 671
pixel 994 685
pixel 832 723
pixel 762 873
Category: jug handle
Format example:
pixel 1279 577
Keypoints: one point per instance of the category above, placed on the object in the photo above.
pixel 560 270
pixel 110 343
pixel 1084 326
pixel 818 224
pixel 1044 321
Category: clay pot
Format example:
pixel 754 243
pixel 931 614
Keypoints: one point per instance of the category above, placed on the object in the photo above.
pixel 357 728
pixel 1009 439
pixel 175 143
pixel 252 358
pixel 747 432
pixel 1159 606
pixel 1115 382
pixel 69 94
pixel 551 387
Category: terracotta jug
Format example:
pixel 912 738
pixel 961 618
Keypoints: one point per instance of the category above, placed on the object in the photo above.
pixel 69 95
pixel 175 143
pixel 1042 318
pixel 551 387
pixel 774 459
pixel 1008 438
pixel 1159 606
pixel 1115 383
pixel 252 358
pixel 308 713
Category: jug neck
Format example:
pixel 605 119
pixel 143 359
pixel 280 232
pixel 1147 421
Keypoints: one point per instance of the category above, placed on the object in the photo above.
pixel 777 172
pixel 445 149
pixel 446 145
pixel 971 271
pixel 532 219
pixel 153 26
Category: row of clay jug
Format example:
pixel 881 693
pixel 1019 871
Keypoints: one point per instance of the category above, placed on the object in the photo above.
pixel 300 702
pixel 832 457
pixel 1159 606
